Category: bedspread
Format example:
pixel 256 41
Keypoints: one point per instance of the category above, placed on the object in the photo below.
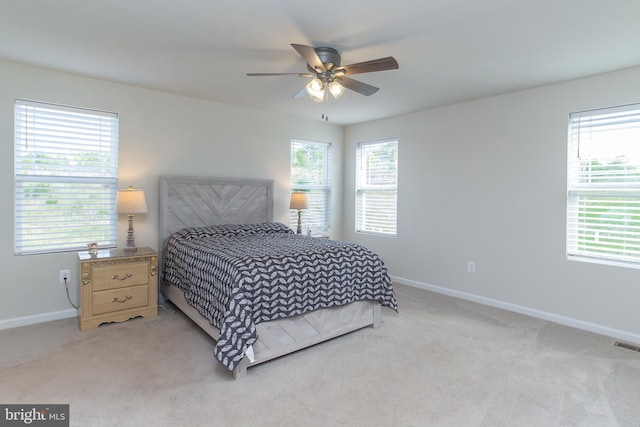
pixel 237 276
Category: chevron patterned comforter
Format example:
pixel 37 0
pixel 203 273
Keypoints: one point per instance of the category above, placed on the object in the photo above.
pixel 237 276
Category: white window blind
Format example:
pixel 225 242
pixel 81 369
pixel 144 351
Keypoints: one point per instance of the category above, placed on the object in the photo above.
pixel 377 187
pixel 66 169
pixel 311 173
pixel 603 191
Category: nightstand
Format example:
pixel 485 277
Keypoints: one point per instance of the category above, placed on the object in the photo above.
pixel 117 285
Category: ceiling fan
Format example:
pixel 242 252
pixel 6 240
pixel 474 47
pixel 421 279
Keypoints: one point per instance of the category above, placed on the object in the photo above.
pixel 329 76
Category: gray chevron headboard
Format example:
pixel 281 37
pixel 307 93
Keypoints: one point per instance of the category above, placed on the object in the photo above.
pixel 189 201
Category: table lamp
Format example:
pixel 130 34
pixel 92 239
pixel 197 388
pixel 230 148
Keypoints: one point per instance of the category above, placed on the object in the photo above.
pixel 299 201
pixel 130 202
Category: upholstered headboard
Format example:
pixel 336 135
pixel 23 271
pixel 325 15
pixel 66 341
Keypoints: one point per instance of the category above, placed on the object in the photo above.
pixel 189 201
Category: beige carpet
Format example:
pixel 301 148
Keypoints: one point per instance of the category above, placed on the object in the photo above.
pixel 440 362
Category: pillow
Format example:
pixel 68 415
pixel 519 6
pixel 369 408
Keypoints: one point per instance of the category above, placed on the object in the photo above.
pixel 233 230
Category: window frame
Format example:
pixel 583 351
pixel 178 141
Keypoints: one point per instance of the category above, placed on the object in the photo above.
pixel 67 201
pixel 603 199
pixel 318 217
pixel 362 188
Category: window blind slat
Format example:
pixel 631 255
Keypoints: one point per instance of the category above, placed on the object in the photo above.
pixel 603 197
pixel 377 187
pixel 66 169
pixel 311 173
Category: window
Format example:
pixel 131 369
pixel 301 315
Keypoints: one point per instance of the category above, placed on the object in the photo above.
pixel 66 170
pixel 377 187
pixel 311 173
pixel 603 191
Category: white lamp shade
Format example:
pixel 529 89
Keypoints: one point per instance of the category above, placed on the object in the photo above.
pixel 299 201
pixel 131 201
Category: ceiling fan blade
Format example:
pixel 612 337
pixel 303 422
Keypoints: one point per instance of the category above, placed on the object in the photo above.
pixel 355 85
pixel 382 64
pixel 281 74
pixel 309 54
pixel 302 92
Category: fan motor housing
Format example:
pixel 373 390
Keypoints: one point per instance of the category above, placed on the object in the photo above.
pixel 329 57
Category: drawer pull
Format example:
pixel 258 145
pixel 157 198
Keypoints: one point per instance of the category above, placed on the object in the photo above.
pixel 117 299
pixel 117 276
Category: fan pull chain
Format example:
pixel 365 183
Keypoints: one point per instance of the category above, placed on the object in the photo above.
pixel 325 117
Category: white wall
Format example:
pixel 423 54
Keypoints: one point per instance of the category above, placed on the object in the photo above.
pixel 486 181
pixel 160 134
pixel 482 181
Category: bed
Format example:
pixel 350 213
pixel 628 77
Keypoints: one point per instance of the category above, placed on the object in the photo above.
pixel 255 287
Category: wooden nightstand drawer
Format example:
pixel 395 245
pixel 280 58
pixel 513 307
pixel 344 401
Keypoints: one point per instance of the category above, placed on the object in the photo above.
pixel 119 299
pixel 118 276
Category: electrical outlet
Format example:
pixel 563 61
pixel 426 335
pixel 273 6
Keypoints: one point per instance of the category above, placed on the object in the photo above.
pixel 471 266
pixel 65 274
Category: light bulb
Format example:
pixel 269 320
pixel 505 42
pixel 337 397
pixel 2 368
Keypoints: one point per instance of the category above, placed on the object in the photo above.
pixel 314 85
pixel 336 89
pixel 315 89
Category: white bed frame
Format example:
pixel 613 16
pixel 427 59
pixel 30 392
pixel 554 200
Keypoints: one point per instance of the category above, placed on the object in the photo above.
pixel 200 201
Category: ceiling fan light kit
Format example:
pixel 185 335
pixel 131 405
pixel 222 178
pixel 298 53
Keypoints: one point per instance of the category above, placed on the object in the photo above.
pixel 316 88
pixel 328 75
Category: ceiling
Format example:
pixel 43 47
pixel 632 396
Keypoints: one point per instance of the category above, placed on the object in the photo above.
pixel 448 50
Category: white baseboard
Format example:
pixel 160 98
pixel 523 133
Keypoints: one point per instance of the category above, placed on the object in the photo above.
pixel 567 321
pixel 37 318
pixel 563 320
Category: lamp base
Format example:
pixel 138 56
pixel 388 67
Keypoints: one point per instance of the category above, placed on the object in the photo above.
pixel 299 230
pixel 131 241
